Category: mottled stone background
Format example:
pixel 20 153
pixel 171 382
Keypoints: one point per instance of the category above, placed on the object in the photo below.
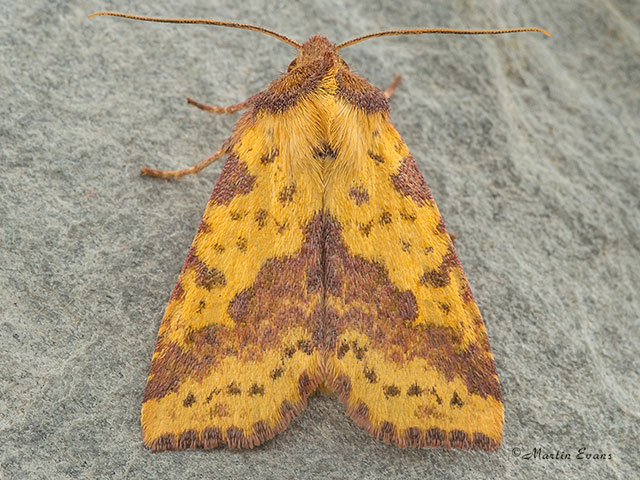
pixel 531 147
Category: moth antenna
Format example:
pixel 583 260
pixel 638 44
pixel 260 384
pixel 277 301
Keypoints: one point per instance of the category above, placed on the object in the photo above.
pixel 418 31
pixel 201 21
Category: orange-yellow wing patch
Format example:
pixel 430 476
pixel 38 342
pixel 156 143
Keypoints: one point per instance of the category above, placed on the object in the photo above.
pixel 410 357
pixel 236 357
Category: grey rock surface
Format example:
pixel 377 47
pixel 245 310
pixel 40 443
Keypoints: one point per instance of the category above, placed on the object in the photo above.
pixel 530 145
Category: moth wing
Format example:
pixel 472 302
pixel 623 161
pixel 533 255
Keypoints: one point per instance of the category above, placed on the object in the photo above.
pixel 410 358
pixel 235 357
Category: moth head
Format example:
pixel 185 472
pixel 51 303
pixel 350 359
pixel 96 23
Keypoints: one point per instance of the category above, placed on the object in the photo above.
pixel 315 49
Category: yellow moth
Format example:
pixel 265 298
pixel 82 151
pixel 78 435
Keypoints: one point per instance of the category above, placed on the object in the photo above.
pixel 321 259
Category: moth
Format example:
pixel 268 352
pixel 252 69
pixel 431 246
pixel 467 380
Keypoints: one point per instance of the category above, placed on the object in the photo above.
pixel 321 260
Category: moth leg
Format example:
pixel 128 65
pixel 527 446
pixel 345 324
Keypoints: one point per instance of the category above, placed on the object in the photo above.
pixel 453 237
pixel 151 172
pixel 217 109
pixel 391 88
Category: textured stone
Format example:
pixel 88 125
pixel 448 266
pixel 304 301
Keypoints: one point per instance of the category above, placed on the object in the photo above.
pixel 529 146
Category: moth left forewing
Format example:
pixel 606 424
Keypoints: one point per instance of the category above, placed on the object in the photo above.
pixel 411 358
pixel 236 356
